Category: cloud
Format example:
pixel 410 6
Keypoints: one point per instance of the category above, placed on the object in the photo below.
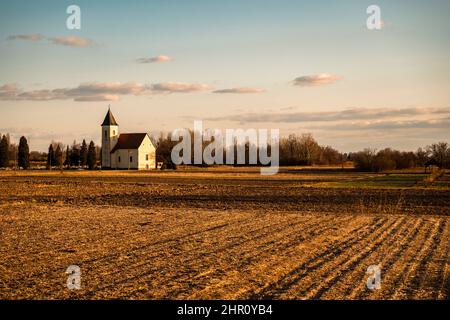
pixel 98 97
pixel 344 115
pixel 35 95
pixel 29 37
pixel 106 91
pixel 241 90
pixel 96 91
pixel 8 91
pixel 71 41
pixel 171 87
pixel 127 88
pixel 160 58
pixel 385 24
pixel 388 125
pixel 316 80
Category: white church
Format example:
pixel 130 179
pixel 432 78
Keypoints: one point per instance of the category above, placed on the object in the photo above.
pixel 125 150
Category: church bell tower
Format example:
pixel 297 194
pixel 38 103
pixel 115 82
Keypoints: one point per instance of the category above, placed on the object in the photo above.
pixel 110 135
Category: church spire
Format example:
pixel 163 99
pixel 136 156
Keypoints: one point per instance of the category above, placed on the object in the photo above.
pixel 109 119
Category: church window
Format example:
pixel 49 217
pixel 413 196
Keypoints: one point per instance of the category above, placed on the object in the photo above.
pixel 119 159
pixel 131 159
pixel 146 157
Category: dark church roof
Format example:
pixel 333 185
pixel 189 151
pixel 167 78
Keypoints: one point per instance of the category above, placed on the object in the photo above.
pixel 109 119
pixel 129 141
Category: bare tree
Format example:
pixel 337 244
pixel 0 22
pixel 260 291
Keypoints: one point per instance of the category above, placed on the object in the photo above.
pixel 441 153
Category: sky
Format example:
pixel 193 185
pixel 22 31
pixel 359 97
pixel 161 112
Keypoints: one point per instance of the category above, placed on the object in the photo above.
pixel 297 66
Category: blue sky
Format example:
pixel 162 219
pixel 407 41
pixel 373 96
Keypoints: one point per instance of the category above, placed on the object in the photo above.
pixel 224 46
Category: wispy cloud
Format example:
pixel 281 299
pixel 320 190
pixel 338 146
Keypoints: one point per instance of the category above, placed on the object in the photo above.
pixel 160 58
pixel 316 80
pixel 71 41
pixel 385 24
pixel 106 91
pixel 344 115
pixel 126 88
pixel 385 125
pixel 241 90
pixel 97 91
pixel 8 91
pixel 170 87
pixel 29 37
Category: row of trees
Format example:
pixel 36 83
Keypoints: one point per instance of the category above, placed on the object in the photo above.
pixel 74 156
pixel 388 159
pixel 294 150
pixel 305 150
pixel 77 155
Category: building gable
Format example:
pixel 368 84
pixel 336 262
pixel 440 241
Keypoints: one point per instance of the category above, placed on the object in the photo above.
pixel 146 144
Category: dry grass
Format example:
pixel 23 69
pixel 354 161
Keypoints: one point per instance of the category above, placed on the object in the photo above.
pixel 197 235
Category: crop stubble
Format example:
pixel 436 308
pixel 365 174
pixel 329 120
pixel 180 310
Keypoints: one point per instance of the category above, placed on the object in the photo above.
pixel 191 238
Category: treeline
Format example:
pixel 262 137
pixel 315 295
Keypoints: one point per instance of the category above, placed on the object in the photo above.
pixel 304 150
pixel 437 154
pixel 294 150
pixel 74 156
pixel 77 155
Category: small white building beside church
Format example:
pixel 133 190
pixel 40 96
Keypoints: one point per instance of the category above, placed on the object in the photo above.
pixel 125 150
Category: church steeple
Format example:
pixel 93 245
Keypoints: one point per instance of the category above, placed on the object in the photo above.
pixel 110 136
pixel 109 119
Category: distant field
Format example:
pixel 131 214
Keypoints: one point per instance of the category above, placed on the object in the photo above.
pixel 224 233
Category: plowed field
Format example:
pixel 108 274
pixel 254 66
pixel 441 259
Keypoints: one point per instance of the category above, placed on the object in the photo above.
pixel 220 236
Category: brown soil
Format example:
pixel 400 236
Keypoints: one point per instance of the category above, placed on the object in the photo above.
pixel 189 236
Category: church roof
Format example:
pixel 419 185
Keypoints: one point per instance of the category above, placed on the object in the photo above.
pixel 109 119
pixel 129 141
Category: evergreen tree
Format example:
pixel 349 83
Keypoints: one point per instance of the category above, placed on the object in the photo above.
pixel 24 153
pixel 83 153
pixel 67 159
pixel 4 158
pixel 91 156
pixel 58 156
pixel 50 157
pixel 75 155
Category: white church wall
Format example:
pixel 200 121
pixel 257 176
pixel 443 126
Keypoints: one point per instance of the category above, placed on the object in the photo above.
pixel 147 149
pixel 121 159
